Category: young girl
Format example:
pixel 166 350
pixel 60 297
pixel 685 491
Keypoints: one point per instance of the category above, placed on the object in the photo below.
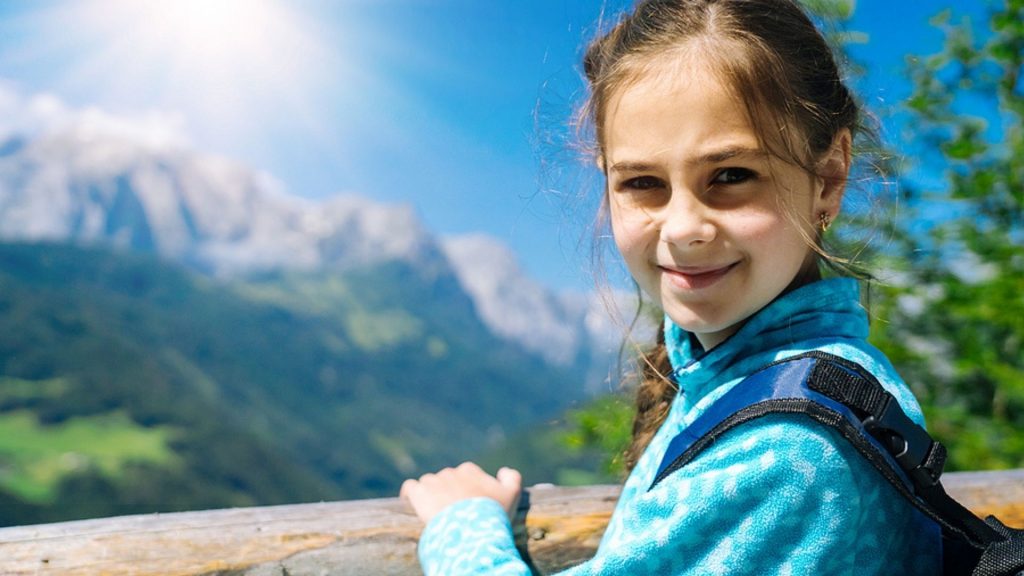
pixel 725 135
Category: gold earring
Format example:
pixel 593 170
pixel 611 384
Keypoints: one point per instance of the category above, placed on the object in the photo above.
pixel 824 221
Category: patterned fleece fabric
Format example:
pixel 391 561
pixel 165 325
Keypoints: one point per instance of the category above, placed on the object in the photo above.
pixel 780 495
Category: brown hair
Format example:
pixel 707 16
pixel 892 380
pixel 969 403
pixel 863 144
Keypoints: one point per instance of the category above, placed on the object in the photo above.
pixel 779 65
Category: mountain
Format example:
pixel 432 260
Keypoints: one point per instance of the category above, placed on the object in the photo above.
pixel 179 333
pixel 568 329
pixel 207 212
pixel 220 217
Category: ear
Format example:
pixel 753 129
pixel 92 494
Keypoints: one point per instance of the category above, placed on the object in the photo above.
pixel 832 171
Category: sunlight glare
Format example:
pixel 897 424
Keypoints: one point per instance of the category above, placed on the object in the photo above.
pixel 225 64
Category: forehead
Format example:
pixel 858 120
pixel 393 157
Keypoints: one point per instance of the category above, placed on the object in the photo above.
pixel 676 106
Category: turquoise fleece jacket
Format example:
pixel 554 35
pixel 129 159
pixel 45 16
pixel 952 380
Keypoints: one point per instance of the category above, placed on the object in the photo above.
pixel 779 495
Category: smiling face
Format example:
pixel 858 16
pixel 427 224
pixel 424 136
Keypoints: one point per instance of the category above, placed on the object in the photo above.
pixel 711 226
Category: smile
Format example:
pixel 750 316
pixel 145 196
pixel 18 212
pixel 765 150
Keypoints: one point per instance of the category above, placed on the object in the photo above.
pixel 696 278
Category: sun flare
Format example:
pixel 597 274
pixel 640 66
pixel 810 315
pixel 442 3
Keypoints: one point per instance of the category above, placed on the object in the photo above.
pixel 222 63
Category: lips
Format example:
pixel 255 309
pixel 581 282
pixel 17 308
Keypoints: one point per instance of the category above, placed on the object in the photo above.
pixel 694 277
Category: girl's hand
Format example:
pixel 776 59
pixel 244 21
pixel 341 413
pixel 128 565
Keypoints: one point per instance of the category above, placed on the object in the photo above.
pixel 434 492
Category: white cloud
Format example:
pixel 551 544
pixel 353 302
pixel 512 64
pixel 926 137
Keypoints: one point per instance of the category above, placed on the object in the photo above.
pixel 43 114
pixel 232 67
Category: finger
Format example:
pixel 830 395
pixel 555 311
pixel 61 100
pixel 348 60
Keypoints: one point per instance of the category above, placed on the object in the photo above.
pixel 469 467
pixel 512 482
pixel 510 478
pixel 407 487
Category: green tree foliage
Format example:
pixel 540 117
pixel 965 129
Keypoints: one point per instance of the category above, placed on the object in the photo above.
pixel 606 425
pixel 955 322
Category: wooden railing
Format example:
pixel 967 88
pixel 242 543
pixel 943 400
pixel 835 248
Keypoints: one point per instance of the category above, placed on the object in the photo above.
pixel 556 528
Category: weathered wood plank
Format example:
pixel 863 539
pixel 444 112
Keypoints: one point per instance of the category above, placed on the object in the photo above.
pixel 999 493
pixel 562 527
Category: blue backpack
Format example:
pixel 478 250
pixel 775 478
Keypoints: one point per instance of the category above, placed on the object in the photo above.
pixel 841 394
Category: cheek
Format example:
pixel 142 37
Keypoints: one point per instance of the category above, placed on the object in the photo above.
pixel 767 231
pixel 780 245
pixel 632 232
pixel 762 224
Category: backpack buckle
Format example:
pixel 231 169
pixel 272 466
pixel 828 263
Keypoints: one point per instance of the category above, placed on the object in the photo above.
pixel 920 457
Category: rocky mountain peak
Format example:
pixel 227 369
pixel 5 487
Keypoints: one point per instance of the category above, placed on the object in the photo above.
pixel 207 211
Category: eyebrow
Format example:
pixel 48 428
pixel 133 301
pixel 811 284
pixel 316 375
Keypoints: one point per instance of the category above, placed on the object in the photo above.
pixel 727 153
pixel 713 157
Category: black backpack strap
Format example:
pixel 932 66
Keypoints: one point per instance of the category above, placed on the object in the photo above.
pixel 1002 557
pixel 844 396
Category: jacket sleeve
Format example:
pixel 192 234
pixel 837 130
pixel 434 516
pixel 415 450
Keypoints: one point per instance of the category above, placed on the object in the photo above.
pixel 782 495
pixel 472 536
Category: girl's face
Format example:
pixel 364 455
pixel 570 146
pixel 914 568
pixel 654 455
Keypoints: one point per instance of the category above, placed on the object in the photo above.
pixel 708 223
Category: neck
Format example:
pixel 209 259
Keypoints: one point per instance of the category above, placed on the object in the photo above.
pixel 810 272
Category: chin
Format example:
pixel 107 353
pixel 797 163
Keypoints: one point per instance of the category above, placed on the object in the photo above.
pixel 697 325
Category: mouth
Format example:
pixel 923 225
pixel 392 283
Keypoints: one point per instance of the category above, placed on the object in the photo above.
pixel 696 277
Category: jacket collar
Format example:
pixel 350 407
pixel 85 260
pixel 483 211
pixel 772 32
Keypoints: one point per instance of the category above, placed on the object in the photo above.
pixel 828 309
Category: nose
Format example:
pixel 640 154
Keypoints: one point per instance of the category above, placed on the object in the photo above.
pixel 686 222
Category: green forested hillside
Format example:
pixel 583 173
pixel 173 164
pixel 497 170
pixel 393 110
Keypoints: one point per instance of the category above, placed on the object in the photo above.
pixel 131 385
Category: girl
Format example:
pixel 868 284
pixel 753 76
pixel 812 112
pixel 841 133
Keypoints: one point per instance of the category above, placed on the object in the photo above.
pixel 724 134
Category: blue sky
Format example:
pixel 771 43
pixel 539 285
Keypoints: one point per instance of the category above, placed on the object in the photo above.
pixel 444 104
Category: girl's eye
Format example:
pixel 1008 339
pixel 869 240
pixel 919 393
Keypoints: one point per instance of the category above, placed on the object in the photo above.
pixel 642 183
pixel 733 176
